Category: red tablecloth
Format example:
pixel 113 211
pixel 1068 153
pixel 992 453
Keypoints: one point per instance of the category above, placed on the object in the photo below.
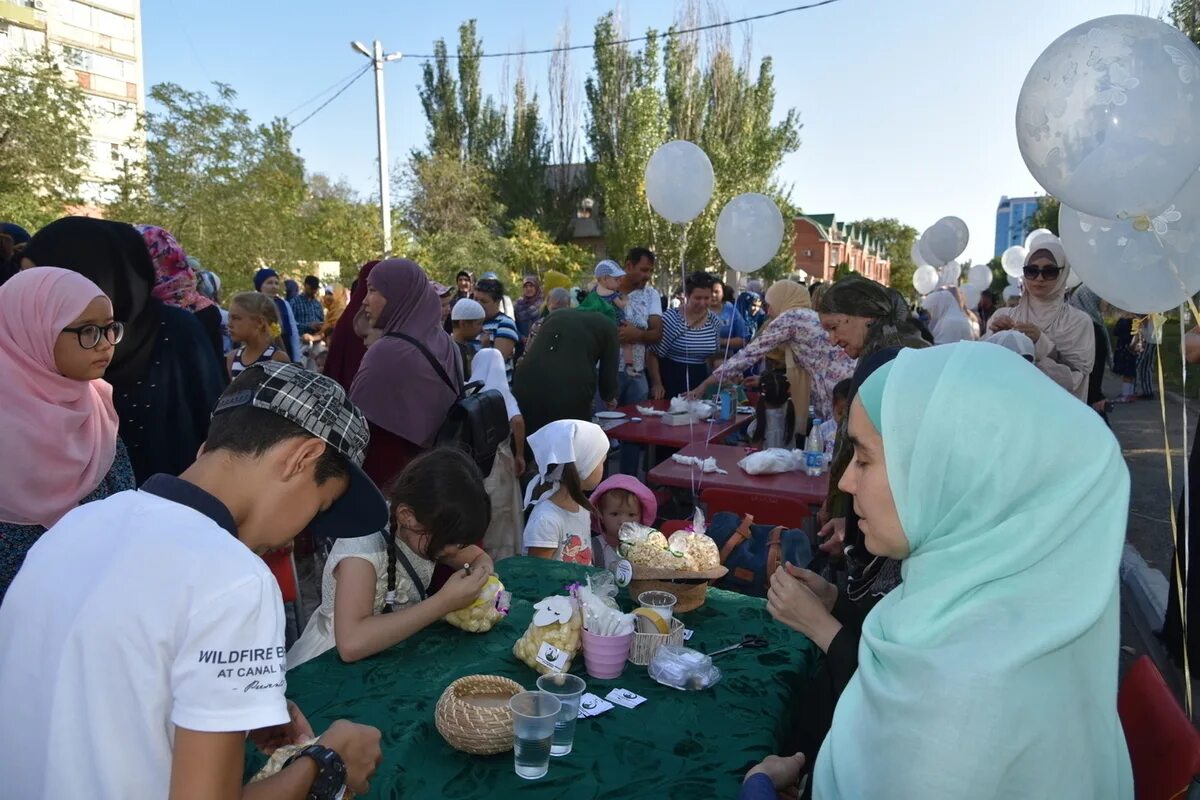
pixel 792 485
pixel 652 430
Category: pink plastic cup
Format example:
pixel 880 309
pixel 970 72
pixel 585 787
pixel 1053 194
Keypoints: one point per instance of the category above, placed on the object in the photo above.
pixel 604 656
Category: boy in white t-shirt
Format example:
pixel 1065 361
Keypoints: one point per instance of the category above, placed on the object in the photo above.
pixel 143 637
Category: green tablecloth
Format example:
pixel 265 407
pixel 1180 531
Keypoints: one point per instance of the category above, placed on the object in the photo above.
pixel 675 745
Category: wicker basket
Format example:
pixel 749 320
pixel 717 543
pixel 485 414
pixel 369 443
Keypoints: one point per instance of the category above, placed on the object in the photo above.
pixel 471 728
pixel 689 588
pixel 645 645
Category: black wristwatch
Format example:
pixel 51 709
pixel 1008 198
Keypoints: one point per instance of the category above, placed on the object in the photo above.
pixel 331 772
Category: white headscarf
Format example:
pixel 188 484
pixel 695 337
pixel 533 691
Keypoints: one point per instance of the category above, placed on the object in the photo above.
pixel 948 322
pixel 487 367
pixel 565 441
pixel 1016 341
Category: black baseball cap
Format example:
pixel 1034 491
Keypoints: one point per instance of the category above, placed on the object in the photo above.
pixel 319 406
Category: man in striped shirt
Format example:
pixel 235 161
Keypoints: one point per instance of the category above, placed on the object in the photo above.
pixel 499 329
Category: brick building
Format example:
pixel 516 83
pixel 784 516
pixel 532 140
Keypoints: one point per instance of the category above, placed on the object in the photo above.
pixel 822 243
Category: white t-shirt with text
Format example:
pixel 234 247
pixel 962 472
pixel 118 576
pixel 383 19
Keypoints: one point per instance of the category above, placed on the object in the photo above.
pixel 131 616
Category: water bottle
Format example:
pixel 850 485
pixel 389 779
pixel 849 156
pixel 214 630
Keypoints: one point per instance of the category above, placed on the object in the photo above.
pixel 728 406
pixel 814 450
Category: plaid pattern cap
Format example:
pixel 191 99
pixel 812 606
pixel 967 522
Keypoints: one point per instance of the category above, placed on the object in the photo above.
pixel 314 402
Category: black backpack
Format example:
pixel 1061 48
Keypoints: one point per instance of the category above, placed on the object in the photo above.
pixel 478 420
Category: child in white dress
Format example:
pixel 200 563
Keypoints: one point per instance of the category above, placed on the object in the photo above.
pixel 373 595
pixel 570 458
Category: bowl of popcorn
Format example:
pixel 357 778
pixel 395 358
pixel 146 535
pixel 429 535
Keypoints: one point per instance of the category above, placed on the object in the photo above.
pixel 682 565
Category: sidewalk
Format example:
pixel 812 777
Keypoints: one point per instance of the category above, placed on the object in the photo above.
pixel 1146 565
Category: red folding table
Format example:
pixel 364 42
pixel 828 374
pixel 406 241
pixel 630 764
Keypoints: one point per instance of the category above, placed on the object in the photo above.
pixel 653 432
pixel 789 485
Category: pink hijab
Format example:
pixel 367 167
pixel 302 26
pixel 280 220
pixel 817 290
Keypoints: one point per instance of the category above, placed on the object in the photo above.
pixel 396 387
pixel 68 426
pixel 174 277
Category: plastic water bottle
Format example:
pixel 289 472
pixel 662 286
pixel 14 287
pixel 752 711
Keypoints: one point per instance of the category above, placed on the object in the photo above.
pixel 814 450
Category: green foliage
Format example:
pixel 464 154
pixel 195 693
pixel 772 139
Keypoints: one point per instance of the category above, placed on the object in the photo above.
pixel 1046 216
pixel 897 240
pixel 842 270
pixel 706 94
pixel 43 138
pixel 532 252
pixel 1185 14
pixel 235 194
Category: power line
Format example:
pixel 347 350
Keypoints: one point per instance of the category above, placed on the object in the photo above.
pixel 634 39
pixel 336 95
pixel 352 74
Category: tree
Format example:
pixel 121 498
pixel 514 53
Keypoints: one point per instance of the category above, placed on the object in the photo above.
pixel 446 195
pixel 708 94
pixel 897 240
pixel 337 225
pixel 532 252
pixel 1046 216
pixel 43 138
pixel 1186 16
pixel 229 190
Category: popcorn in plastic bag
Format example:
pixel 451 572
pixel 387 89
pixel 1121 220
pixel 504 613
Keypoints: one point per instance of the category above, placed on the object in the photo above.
pixel 489 608
pixel 556 622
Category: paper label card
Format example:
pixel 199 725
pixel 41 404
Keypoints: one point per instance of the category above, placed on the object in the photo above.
pixel 592 706
pixel 687 634
pixel 626 698
pixel 551 657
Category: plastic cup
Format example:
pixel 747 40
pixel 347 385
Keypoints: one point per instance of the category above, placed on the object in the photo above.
pixel 534 715
pixel 567 688
pixel 661 603
pixel 604 656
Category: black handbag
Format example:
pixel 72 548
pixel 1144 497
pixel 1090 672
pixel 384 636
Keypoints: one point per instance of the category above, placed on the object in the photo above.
pixel 478 420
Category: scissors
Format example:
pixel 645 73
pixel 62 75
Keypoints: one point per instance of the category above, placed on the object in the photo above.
pixel 749 640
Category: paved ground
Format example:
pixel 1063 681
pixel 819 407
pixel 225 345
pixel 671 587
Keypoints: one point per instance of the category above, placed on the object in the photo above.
pixel 1139 428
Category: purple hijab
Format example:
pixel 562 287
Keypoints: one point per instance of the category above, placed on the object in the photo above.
pixel 396 387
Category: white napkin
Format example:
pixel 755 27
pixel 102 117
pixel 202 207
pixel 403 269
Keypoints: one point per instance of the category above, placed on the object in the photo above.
pixel 706 465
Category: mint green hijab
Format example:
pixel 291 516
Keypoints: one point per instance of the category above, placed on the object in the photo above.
pixel 991 671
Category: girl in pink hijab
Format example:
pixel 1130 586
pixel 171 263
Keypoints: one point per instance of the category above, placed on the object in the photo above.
pixel 57 337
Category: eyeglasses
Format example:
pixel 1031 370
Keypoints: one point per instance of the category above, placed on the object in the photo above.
pixel 1045 273
pixel 89 335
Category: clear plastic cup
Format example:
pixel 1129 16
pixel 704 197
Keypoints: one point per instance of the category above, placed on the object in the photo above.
pixel 661 603
pixel 534 715
pixel 568 689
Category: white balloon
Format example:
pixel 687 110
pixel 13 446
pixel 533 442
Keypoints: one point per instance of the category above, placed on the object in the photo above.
pixel 944 240
pixel 1034 234
pixel 971 294
pixel 1010 292
pixel 679 181
pixel 925 279
pixel 1012 281
pixel 1108 120
pixel 749 232
pixel 950 273
pixel 980 275
pixel 1140 265
pixel 915 253
pixel 1013 261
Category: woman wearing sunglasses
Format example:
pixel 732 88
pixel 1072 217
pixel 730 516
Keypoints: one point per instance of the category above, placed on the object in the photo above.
pixel 1064 343
pixel 59 428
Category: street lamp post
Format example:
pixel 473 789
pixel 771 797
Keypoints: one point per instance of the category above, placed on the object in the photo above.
pixel 385 203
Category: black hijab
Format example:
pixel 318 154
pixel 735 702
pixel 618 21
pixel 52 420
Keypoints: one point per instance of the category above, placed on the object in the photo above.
pixel 112 255
pixel 868 575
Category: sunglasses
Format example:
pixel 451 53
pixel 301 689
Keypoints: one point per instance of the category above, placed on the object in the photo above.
pixel 1045 273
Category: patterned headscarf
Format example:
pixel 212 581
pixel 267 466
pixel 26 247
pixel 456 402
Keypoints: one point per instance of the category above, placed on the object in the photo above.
pixel 175 279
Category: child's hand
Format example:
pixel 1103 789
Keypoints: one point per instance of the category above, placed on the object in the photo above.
pixel 462 589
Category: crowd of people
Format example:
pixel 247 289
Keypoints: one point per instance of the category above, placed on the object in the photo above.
pixel 173 441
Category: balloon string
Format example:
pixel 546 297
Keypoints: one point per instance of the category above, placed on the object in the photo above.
pixel 1178 575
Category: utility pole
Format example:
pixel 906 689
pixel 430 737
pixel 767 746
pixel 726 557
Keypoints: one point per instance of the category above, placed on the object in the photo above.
pixel 385 201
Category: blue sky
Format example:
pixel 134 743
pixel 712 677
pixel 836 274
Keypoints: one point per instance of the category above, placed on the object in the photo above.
pixel 907 105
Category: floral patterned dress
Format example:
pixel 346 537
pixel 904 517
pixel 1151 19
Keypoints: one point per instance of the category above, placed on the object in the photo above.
pixel 800 329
